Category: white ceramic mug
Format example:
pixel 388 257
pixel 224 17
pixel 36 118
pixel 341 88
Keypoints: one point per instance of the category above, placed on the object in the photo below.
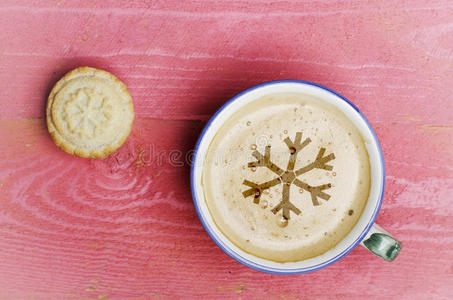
pixel 365 232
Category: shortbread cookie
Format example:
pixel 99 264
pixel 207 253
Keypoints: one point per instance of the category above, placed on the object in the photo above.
pixel 89 113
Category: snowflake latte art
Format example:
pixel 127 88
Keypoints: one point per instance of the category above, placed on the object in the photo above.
pixel 287 177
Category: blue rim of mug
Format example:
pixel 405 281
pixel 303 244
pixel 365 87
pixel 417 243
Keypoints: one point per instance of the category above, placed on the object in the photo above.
pixel 257 266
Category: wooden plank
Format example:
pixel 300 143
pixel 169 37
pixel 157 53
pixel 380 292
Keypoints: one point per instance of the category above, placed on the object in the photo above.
pixel 126 228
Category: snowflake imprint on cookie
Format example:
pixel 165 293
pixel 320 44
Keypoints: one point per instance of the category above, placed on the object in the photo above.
pixel 289 176
pixel 87 113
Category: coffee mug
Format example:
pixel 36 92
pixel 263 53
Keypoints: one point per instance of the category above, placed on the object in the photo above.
pixel 365 232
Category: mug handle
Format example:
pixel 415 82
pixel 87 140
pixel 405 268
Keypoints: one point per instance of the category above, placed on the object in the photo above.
pixel 381 243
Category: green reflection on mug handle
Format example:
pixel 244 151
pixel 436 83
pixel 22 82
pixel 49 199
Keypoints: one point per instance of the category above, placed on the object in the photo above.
pixel 381 243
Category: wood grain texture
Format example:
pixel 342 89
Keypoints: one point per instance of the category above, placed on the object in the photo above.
pixel 126 228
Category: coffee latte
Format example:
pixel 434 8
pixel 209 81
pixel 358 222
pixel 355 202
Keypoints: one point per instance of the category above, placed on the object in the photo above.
pixel 287 177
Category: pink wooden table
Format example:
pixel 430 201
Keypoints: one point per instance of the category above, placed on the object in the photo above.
pixel 125 227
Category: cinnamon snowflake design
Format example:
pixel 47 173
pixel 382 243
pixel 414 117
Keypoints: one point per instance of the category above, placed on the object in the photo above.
pixel 289 176
pixel 87 113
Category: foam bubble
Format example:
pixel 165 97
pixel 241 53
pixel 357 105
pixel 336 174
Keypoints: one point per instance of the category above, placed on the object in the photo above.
pixel 283 222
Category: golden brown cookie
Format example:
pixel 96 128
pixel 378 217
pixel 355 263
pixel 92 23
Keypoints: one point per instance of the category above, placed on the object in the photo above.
pixel 89 113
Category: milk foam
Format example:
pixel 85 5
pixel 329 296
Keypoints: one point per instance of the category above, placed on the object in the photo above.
pixel 254 227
